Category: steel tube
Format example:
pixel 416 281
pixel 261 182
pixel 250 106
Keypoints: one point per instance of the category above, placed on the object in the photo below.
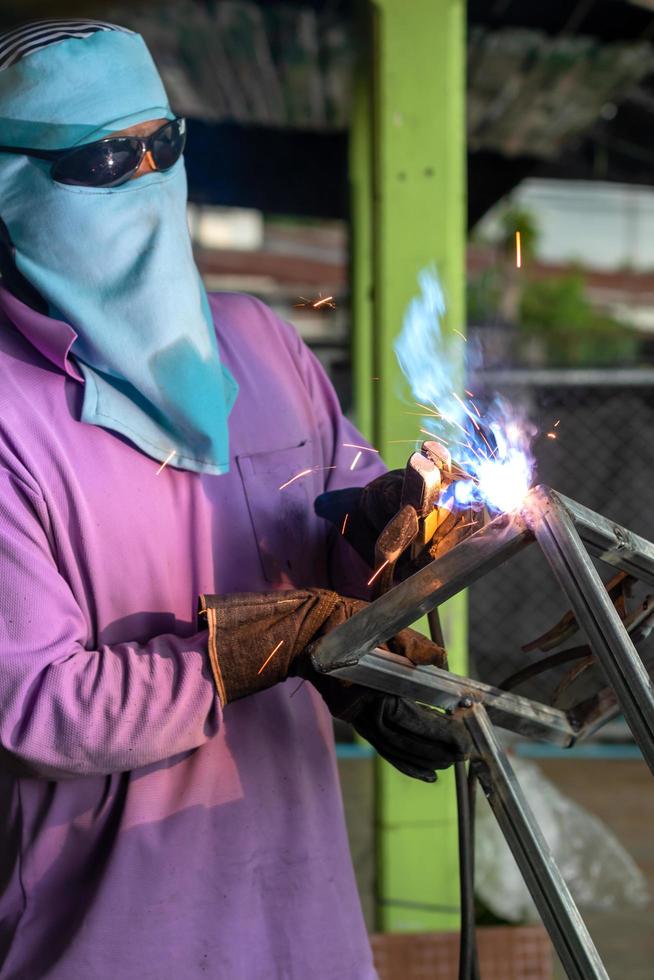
pixel 387 672
pixel 549 891
pixel 596 614
pixel 611 542
pixel 439 580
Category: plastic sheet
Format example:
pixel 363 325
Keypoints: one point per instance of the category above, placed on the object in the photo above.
pixel 598 870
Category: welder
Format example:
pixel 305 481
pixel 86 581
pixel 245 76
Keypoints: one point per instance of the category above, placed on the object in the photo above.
pixel 169 802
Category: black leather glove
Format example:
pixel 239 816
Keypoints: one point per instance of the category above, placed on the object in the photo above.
pixel 369 510
pixel 416 740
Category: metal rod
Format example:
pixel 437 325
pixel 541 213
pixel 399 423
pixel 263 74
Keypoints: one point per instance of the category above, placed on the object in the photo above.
pixel 387 672
pixel 596 614
pixel 611 542
pixel 549 891
pixel 427 588
pixel 468 956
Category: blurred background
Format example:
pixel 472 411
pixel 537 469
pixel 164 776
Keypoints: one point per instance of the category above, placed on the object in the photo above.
pixel 538 119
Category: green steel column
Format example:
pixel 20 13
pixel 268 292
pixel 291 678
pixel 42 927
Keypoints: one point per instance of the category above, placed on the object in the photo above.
pixel 408 186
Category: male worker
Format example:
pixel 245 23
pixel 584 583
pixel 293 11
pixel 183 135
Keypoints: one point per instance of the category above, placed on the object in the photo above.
pixel 169 805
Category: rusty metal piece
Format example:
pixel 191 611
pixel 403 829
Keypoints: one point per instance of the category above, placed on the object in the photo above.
pixel 563 544
pixel 567 626
pixel 585 680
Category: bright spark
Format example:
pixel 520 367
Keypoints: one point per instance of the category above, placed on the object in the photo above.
pixel 551 435
pixel 465 408
pixel 314 469
pixel 166 461
pixel 379 571
pixel 323 301
pixel 365 449
pixel 518 250
pixel 557 423
pixel 461 335
pixel 269 658
pixel 356 460
pixel 345 519
pixel 426 408
pixel 316 304
pixel 294 478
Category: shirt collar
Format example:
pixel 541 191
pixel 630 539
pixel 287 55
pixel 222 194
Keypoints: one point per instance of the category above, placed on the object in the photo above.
pixel 52 338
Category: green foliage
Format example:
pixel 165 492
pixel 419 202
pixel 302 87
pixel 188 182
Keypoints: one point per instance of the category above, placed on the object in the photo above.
pixel 557 302
pixel 556 324
pixel 558 313
pixel 483 297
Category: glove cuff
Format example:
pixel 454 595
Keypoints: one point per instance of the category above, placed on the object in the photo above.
pixel 254 637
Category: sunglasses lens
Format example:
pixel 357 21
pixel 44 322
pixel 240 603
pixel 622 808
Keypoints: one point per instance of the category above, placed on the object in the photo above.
pixel 98 164
pixel 168 145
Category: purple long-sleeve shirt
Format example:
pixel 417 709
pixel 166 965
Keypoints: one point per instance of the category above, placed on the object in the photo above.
pixel 145 833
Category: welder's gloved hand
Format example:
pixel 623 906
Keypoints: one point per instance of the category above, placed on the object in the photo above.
pixel 415 739
pixel 259 639
pixel 369 510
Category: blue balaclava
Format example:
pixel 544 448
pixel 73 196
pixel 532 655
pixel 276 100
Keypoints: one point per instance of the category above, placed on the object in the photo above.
pixel 115 263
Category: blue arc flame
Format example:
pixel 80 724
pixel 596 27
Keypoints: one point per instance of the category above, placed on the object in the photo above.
pixel 492 446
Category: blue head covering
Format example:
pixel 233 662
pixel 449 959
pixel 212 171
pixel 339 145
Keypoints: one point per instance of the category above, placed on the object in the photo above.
pixel 115 263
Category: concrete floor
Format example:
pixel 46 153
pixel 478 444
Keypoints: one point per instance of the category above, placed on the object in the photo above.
pixel 621 793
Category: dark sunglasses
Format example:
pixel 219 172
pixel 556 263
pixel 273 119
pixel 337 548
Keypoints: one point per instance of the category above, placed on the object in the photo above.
pixel 113 160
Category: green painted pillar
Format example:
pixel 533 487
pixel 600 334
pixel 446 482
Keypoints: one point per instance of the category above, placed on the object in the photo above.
pixel 408 211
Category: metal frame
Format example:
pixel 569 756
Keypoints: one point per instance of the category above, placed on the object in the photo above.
pixel 567 534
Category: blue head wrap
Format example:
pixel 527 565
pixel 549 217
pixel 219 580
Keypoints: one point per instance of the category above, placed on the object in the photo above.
pixel 115 263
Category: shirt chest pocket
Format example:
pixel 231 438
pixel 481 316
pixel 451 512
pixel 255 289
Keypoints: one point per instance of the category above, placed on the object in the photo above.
pixel 280 488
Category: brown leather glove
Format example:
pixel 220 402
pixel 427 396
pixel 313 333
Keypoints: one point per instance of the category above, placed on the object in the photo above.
pixel 259 639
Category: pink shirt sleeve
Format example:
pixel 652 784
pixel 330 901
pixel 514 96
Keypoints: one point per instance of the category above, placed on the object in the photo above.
pixel 66 710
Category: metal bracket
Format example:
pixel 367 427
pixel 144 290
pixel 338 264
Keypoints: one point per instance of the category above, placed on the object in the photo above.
pixel 567 534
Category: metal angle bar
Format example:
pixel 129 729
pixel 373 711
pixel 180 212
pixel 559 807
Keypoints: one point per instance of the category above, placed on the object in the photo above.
pixel 384 671
pixel 405 603
pixel 549 891
pixel 611 542
pixel 596 614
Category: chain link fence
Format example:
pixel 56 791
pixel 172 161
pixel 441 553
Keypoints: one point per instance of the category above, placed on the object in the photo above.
pixel 603 457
